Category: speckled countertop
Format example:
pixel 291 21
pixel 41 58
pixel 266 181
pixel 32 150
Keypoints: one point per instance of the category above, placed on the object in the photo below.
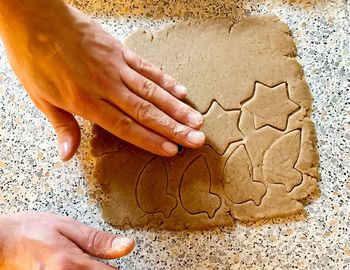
pixel 33 177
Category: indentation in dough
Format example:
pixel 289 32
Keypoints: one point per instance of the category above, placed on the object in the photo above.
pixel 221 127
pixel 151 189
pixel 271 106
pixel 195 189
pixel 280 159
pixel 276 203
pixel 256 141
pixel 238 178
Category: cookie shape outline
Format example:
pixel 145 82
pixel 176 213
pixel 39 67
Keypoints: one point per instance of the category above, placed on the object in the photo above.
pixel 221 127
pixel 271 106
pixel 280 160
pixel 160 200
pixel 238 178
pixel 196 197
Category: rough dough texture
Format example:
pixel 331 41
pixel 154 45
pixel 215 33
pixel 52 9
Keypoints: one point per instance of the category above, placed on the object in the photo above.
pixel 260 159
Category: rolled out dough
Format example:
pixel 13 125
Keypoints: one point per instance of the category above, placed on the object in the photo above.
pixel 260 159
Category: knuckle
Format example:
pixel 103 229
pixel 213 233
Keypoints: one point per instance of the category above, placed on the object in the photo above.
pixel 176 111
pixel 96 241
pixel 148 89
pixel 155 146
pixel 129 56
pixel 143 65
pixel 65 219
pixel 145 111
pixel 63 263
pixel 62 128
pixel 166 80
pixel 122 125
pixel 158 74
pixel 178 131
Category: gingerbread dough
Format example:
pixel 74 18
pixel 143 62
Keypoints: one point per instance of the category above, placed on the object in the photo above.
pixel 260 159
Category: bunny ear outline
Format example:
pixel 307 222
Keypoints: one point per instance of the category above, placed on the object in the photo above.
pixel 195 192
pixel 151 189
pixel 280 159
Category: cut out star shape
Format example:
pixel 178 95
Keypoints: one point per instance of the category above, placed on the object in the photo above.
pixel 221 127
pixel 270 106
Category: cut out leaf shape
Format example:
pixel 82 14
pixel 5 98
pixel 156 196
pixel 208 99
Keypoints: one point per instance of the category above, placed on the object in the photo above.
pixel 195 189
pixel 279 161
pixel 151 189
pixel 238 183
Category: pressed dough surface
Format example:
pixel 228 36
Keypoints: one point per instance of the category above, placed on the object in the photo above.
pixel 260 158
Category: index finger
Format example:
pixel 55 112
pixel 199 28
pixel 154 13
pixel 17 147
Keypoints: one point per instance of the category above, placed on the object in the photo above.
pixel 154 73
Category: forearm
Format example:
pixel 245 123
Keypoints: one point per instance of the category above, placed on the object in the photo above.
pixel 18 17
pixel 30 26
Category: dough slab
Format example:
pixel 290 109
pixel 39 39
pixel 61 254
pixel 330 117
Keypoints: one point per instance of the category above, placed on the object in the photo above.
pixel 260 159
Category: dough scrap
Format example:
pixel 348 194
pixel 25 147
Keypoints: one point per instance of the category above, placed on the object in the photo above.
pixel 260 159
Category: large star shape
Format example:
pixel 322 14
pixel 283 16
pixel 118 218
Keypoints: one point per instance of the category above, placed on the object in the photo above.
pixel 221 127
pixel 270 106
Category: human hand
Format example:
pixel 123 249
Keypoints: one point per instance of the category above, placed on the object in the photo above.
pixel 70 65
pixel 36 240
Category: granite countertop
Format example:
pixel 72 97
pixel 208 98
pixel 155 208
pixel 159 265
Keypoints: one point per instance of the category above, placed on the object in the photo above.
pixel 33 177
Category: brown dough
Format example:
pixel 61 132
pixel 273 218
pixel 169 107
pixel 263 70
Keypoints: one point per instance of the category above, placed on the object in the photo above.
pixel 260 159
pixel 221 127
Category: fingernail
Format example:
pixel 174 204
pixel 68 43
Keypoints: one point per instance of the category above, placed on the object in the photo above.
pixel 195 119
pixel 63 150
pixel 196 137
pixel 121 243
pixel 180 90
pixel 169 148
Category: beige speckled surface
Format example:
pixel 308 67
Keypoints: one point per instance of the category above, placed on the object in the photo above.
pixel 32 177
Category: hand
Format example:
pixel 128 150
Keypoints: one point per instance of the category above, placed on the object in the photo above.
pixel 36 240
pixel 69 65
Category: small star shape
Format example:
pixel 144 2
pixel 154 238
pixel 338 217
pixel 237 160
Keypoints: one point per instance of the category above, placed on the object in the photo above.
pixel 221 127
pixel 271 106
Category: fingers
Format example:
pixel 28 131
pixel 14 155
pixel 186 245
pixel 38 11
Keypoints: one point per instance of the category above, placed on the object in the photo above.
pixel 154 73
pixel 66 128
pixel 95 265
pixel 129 130
pixel 149 116
pixel 97 243
pixel 150 91
pixel 77 261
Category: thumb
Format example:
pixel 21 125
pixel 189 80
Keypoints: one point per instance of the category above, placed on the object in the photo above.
pixel 97 243
pixel 66 128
